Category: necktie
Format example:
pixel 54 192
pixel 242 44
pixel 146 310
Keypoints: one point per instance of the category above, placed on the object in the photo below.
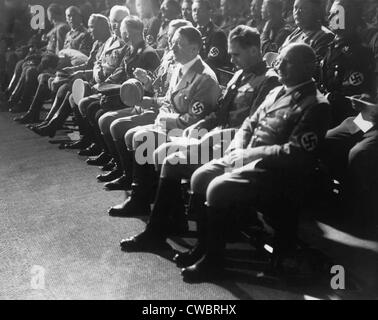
pixel 281 94
pixel 179 77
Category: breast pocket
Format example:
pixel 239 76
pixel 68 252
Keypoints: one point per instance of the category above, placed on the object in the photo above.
pixel 244 97
pixel 182 101
pixel 281 124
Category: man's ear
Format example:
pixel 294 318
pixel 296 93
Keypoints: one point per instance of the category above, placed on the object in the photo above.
pixel 254 51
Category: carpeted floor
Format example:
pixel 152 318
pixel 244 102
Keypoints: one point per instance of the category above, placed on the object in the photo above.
pixel 53 219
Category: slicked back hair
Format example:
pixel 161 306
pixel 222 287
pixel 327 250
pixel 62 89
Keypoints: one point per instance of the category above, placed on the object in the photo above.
pixel 192 35
pixel 245 36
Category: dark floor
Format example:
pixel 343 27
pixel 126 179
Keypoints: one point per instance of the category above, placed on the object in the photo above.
pixel 53 218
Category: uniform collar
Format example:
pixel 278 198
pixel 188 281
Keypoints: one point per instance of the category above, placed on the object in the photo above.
pixel 139 47
pixel 207 28
pixel 258 69
pixel 79 29
pixel 290 90
pixel 186 67
pixel 347 40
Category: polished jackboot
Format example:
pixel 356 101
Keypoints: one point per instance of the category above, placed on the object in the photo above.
pixel 101 160
pixel 56 122
pixel 33 114
pixel 168 216
pixel 210 265
pixel 197 208
pixel 125 161
pixel 117 171
pixel 138 204
pixel 161 223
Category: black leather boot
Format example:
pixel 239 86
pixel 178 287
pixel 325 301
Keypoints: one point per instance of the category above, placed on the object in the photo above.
pixel 28 118
pixel 135 206
pixel 138 203
pixel 101 160
pixel 91 151
pixel 210 265
pixel 32 115
pixel 109 166
pixel 123 183
pixel 168 216
pixel 110 176
pixel 196 208
pixel 46 131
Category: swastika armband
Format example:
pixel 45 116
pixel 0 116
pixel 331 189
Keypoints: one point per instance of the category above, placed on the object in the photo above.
pixel 309 141
pixel 356 79
pixel 198 108
pixel 214 52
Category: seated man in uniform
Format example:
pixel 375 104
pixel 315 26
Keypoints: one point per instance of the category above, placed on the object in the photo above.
pixel 100 30
pixel 275 30
pixel 111 57
pixel 214 51
pixel 54 41
pixel 114 125
pixel 308 16
pixel 344 71
pixel 265 166
pixel 244 93
pixel 170 10
pixel 192 95
pixel 351 154
pixel 138 55
pixel 78 39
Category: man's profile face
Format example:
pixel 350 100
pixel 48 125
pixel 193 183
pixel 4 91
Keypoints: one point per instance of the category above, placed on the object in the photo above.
pixel 73 18
pixel 126 33
pixel 288 69
pixel 186 10
pixel 200 13
pixel 115 23
pixel 92 28
pixel 240 57
pixel 181 48
pixel 167 11
pixel 304 14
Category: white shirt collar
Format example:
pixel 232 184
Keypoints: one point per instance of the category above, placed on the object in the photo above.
pixel 185 67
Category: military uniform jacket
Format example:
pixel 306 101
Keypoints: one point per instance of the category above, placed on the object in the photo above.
pixel 348 68
pixel 151 29
pixel 286 130
pixel 112 54
pixel 79 39
pixel 318 39
pixel 162 76
pixel 143 56
pixel 214 50
pixel 56 38
pixel 162 37
pixel 244 94
pixel 193 98
pixel 273 36
pixel 94 56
